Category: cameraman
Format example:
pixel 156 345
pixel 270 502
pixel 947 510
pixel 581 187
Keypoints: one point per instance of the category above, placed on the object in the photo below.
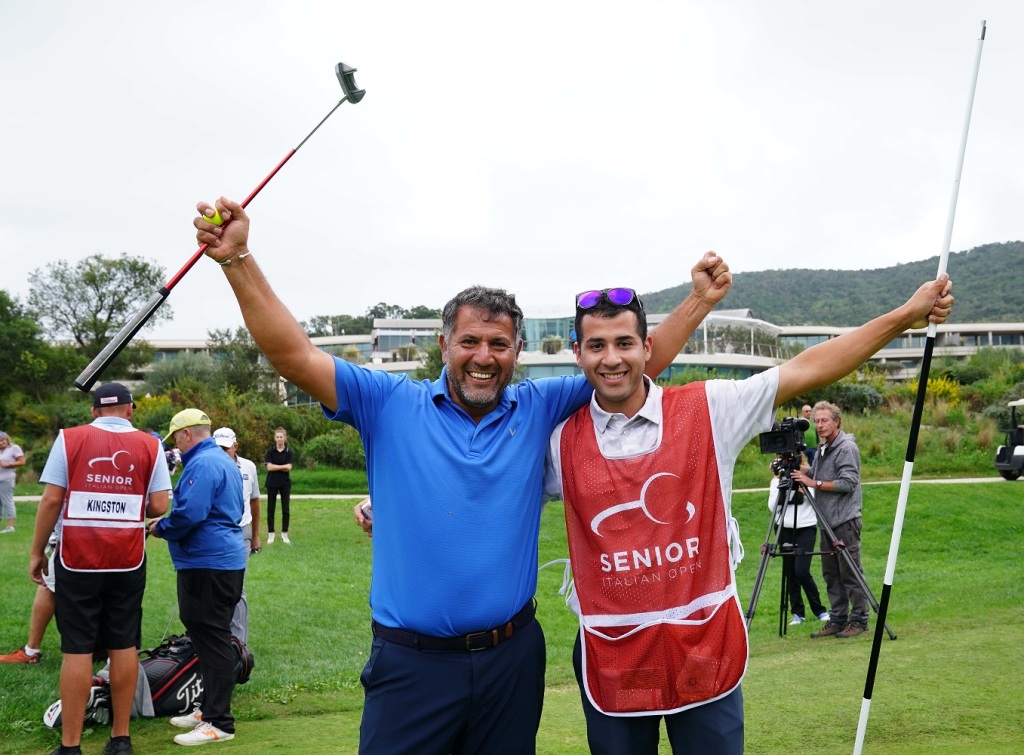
pixel 835 479
pixel 798 531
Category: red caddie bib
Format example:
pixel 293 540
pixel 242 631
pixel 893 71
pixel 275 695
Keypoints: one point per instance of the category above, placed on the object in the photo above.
pixel 660 620
pixel 103 519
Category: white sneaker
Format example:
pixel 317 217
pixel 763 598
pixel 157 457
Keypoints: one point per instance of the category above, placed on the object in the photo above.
pixel 797 619
pixel 284 538
pixel 824 616
pixel 189 720
pixel 5 530
pixel 270 538
pixel 203 734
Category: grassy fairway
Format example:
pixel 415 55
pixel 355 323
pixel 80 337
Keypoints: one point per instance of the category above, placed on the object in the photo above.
pixel 951 683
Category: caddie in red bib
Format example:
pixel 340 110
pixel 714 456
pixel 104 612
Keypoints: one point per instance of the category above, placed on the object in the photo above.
pixel 103 519
pixel 101 480
pixel 660 620
pixel 646 476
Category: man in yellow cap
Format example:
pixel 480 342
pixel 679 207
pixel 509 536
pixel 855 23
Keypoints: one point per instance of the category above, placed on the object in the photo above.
pixel 207 549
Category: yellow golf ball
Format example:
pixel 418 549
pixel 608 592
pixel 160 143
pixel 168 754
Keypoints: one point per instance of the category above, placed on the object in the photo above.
pixel 216 219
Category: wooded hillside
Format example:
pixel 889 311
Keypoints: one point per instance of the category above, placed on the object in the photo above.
pixel 988 283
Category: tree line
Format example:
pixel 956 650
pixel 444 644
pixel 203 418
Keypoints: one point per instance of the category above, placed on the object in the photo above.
pixel 73 309
pixel 987 284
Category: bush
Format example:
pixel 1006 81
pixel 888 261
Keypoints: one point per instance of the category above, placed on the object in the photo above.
pixel 854 398
pixel 340 448
pixel 964 374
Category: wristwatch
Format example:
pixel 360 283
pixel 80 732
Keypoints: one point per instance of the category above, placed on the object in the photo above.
pixel 817 483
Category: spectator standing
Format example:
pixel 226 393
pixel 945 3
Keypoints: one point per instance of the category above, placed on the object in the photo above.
pixel 102 480
pixel 835 478
pixel 11 457
pixel 798 530
pixel 205 542
pixel 278 461
pixel 41 614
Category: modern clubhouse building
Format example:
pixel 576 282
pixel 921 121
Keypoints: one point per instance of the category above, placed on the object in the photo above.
pixel 733 343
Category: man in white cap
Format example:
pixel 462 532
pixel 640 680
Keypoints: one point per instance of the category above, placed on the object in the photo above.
pixel 225 438
pixel 205 543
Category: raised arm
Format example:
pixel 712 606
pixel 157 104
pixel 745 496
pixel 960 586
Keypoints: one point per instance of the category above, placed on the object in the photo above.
pixel 711 281
pixel 278 334
pixel 827 362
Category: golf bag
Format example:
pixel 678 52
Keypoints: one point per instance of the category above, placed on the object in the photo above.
pixel 170 683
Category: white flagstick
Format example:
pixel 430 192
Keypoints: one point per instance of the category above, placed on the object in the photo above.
pixel 915 426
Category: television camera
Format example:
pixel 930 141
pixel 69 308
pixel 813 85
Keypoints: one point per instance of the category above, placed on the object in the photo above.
pixel 786 441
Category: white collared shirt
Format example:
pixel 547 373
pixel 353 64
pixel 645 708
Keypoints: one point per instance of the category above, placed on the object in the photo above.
pixel 618 436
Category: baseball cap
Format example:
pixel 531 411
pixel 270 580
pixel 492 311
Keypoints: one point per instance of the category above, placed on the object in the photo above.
pixel 187 418
pixel 225 437
pixel 111 394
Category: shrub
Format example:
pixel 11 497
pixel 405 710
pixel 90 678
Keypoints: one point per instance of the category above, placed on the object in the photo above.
pixel 986 433
pixel 339 448
pixel 692 374
pixel 849 396
pixel 951 440
pixel 956 416
pixel 964 374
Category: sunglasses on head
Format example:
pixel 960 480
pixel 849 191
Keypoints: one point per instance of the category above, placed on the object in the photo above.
pixel 619 296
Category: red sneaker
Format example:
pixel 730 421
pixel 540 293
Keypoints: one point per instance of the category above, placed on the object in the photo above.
pixel 20 656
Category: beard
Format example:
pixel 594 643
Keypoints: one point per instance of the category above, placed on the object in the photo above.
pixel 479 398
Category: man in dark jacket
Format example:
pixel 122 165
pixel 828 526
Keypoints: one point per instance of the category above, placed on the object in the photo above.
pixel 208 552
pixel 835 478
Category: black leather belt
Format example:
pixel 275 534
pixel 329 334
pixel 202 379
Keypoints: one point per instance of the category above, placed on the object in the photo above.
pixel 469 642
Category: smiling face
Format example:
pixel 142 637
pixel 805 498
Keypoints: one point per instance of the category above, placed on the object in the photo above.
pixel 481 356
pixel 613 356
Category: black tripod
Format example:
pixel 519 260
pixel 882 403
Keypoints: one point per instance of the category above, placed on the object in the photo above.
pixel 771 548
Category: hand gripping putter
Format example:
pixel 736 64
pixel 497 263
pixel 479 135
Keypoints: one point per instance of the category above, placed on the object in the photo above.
pixel 346 76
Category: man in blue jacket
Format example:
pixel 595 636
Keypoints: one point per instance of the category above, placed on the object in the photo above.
pixel 208 552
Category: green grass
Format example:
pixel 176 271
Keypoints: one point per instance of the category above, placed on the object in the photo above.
pixel 323 481
pixel 950 683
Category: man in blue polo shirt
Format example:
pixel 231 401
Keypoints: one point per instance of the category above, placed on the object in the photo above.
pixel 455 470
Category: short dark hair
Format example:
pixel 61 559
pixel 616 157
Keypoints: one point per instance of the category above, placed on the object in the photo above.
pixel 607 308
pixel 494 301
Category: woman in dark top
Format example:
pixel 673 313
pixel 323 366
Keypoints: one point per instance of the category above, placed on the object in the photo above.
pixel 279 466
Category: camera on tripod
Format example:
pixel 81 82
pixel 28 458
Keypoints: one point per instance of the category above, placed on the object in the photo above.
pixel 786 441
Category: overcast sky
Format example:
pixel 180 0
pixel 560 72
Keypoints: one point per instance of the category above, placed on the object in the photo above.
pixel 544 147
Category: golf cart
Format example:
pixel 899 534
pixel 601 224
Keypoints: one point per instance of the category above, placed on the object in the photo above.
pixel 1010 458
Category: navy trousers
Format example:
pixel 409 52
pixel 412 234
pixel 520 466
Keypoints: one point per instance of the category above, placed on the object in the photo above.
pixel 426 702
pixel 206 601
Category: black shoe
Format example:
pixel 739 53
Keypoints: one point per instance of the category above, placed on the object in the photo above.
pixel 118 746
pixel 76 750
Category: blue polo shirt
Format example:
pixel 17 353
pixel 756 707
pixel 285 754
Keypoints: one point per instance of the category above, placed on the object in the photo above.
pixel 202 530
pixel 456 503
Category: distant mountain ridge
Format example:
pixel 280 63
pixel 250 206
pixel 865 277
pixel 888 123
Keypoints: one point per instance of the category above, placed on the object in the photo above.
pixel 988 284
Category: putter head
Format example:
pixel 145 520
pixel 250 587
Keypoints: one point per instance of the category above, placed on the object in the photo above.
pixel 346 76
